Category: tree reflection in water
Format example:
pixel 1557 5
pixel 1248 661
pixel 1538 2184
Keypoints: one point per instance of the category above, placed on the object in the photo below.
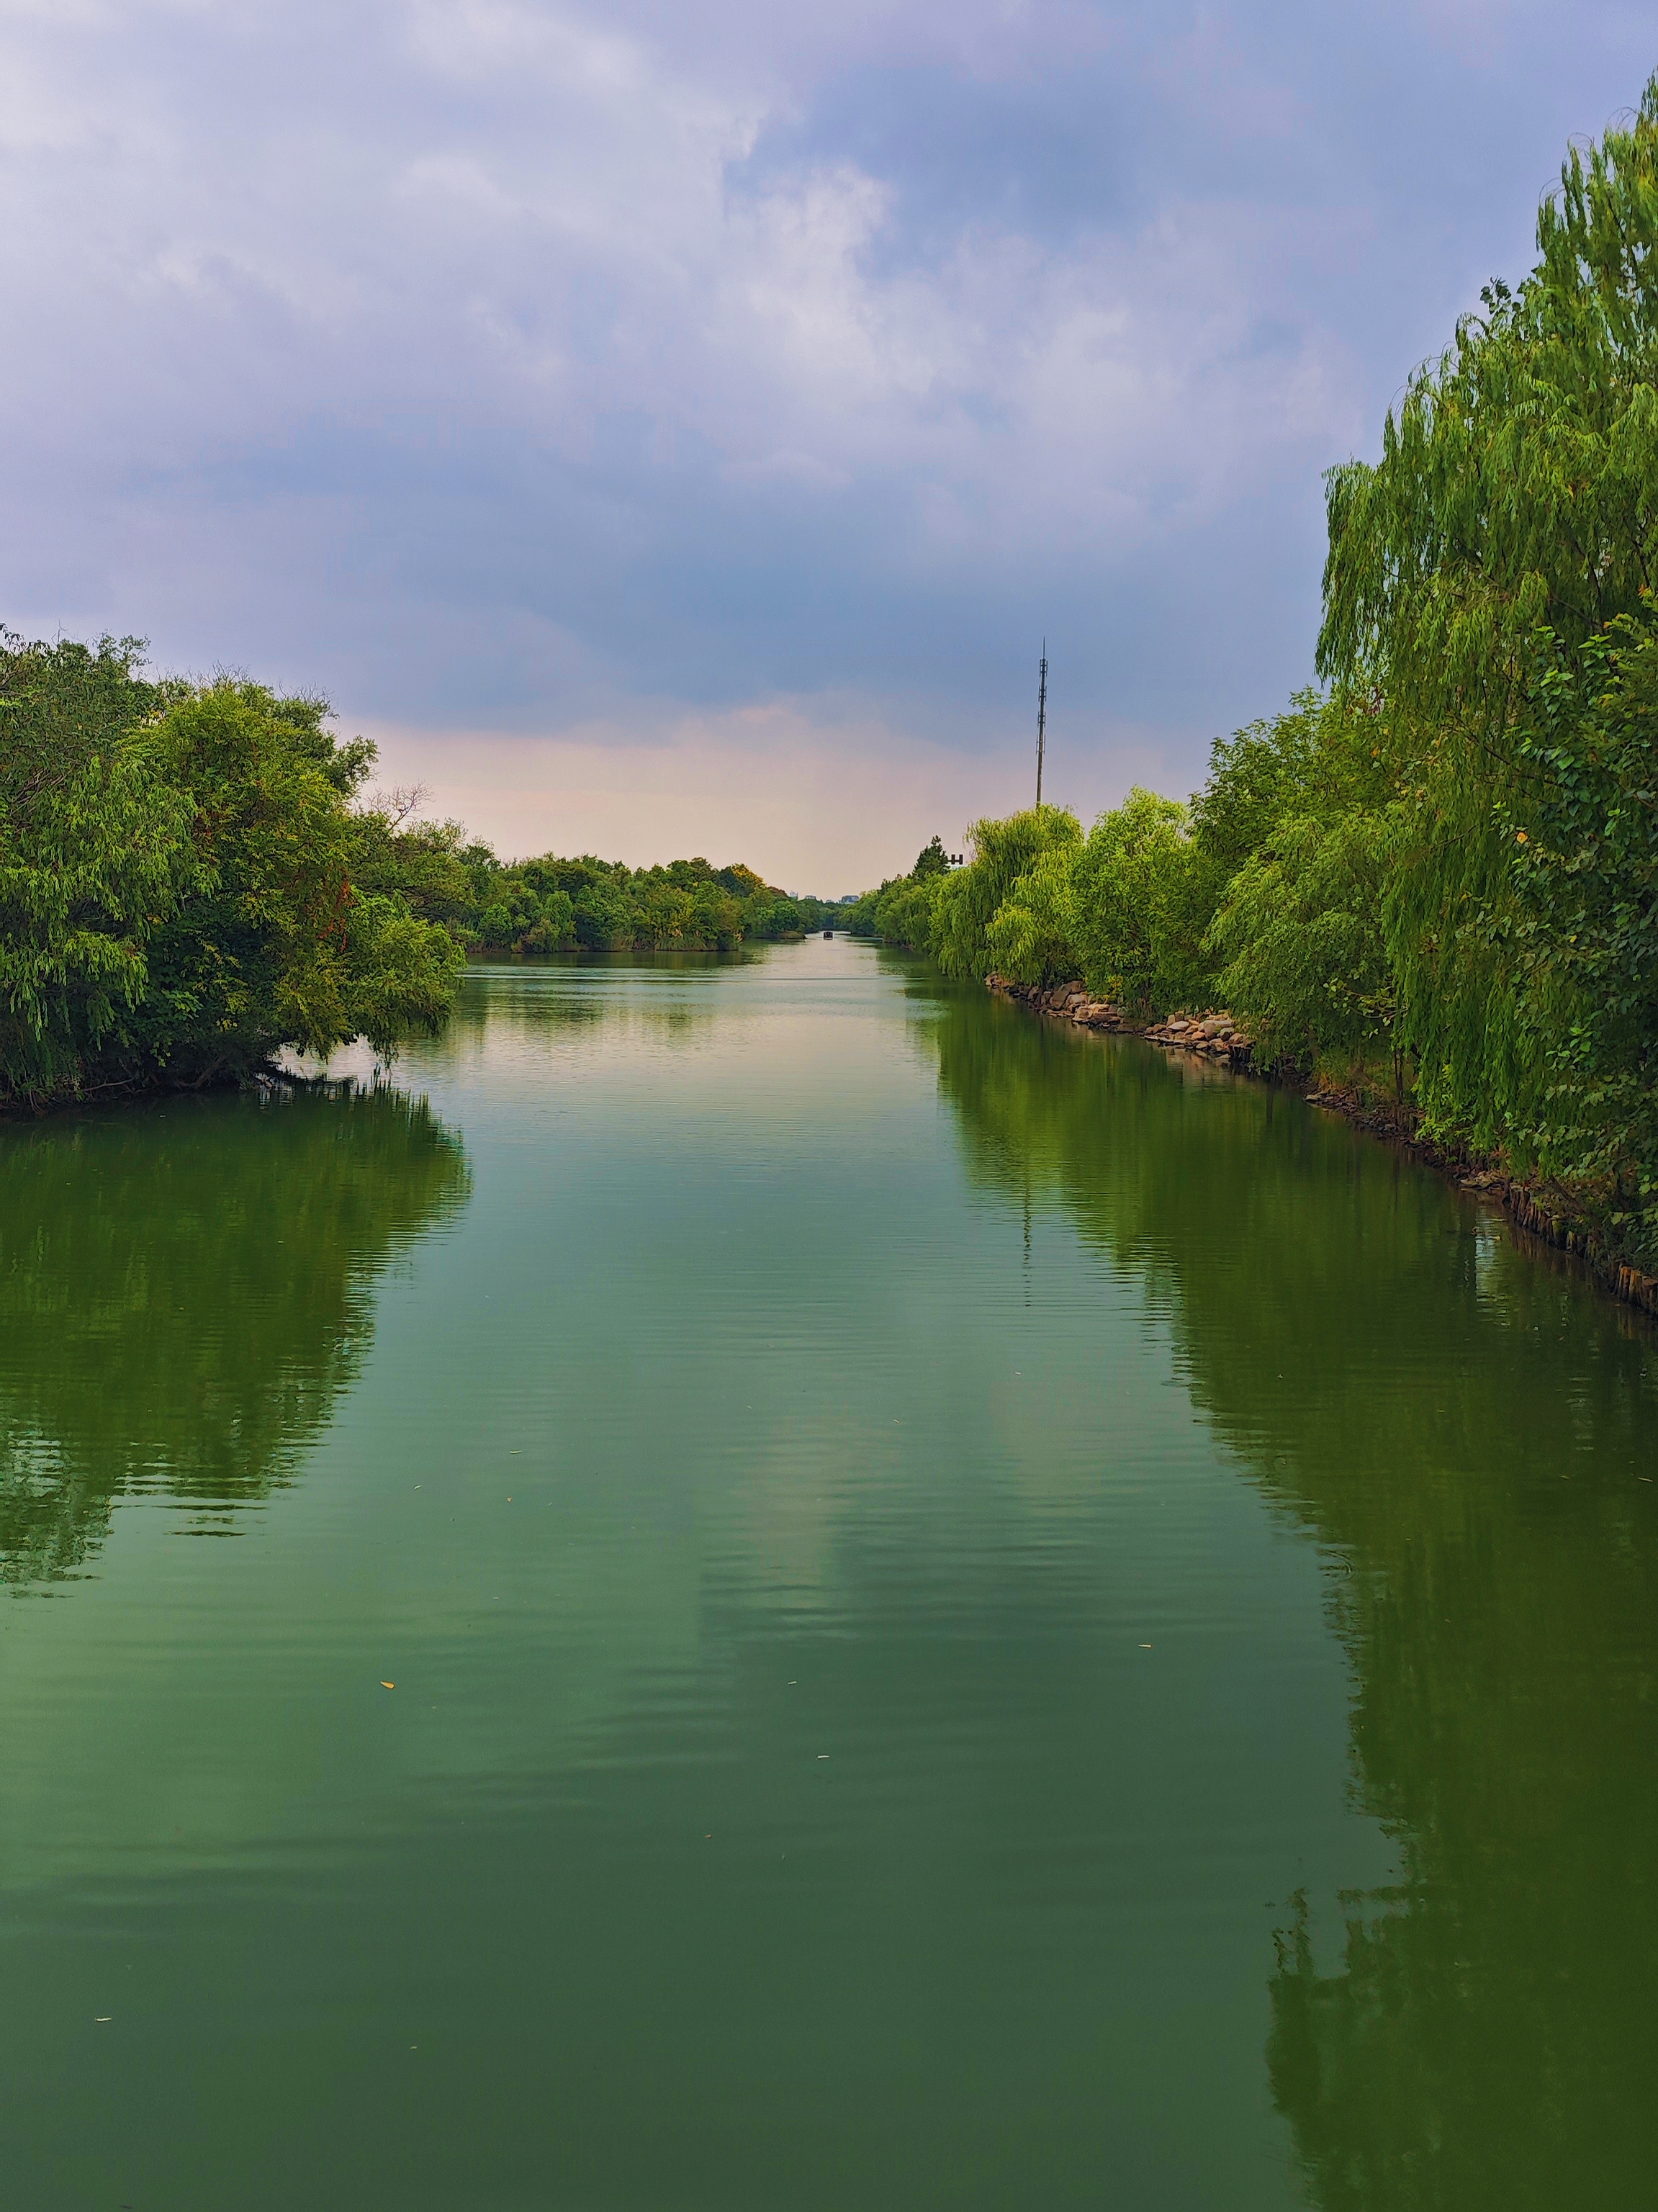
pixel 1469 1430
pixel 183 1291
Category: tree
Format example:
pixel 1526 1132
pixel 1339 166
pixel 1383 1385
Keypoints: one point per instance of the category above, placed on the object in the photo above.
pixel 603 917
pixel 1301 934
pixel 1296 838
pixel 970 898
pixel 95 851
pixel 1031 938
pixel 176 892
pixel 1133 926
pixel 1583 943
pixel 278 947
pixel 1514 499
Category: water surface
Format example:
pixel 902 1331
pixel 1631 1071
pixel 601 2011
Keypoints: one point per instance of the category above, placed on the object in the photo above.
pixel 977 1617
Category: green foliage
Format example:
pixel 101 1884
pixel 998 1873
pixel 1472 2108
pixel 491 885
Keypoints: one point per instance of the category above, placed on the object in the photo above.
pixel 1514 487
pixel 1295 835
pixel 1125 908
pixel 95 850
pixel 1301 935
pixel 1138 911
pixel 1267 894
pixel 1029 939
pixel 278 946
pixel 1130 909
pixel 551 904
pixel 970 898
pixel 1580 940
pixel 176 892
pixel 904 910
pixel 904 913
pixel 1321 757
pixel 423 863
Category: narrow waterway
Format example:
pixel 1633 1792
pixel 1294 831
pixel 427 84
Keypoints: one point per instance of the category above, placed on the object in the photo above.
pixel 765 1587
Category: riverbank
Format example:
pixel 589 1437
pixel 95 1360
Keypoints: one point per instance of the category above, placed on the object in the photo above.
pixel 1543 1210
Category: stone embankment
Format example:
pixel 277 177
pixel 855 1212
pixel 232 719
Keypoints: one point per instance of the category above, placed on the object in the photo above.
pixel 1216 1036
pixel 1543 1210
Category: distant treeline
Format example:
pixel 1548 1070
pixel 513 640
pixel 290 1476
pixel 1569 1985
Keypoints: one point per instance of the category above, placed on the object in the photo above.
pixel 555 905
pixel 1438 876
pixel 191 878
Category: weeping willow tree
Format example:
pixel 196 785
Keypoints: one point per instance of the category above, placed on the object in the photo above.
pixel 1484 576
pixel 1007 855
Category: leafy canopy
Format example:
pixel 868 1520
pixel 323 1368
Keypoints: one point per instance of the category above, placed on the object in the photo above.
pixel 177 893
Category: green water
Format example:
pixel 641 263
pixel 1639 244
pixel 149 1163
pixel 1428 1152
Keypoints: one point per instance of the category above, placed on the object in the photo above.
pixel 979 1619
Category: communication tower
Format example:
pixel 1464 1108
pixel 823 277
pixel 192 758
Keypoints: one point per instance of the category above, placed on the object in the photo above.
pixel 1041 720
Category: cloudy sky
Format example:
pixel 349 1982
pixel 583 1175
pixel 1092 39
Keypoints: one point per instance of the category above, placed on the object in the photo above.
pixel 673 428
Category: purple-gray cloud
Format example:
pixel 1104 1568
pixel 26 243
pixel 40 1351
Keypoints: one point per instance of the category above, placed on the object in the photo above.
pixel 602 372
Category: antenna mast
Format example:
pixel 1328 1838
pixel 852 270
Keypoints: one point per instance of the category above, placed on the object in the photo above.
pixel 1041 720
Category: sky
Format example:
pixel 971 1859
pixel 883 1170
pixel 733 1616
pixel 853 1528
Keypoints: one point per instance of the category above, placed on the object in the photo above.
pixel 673 428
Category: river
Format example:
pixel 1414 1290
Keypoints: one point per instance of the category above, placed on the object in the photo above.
pixel 766 1584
